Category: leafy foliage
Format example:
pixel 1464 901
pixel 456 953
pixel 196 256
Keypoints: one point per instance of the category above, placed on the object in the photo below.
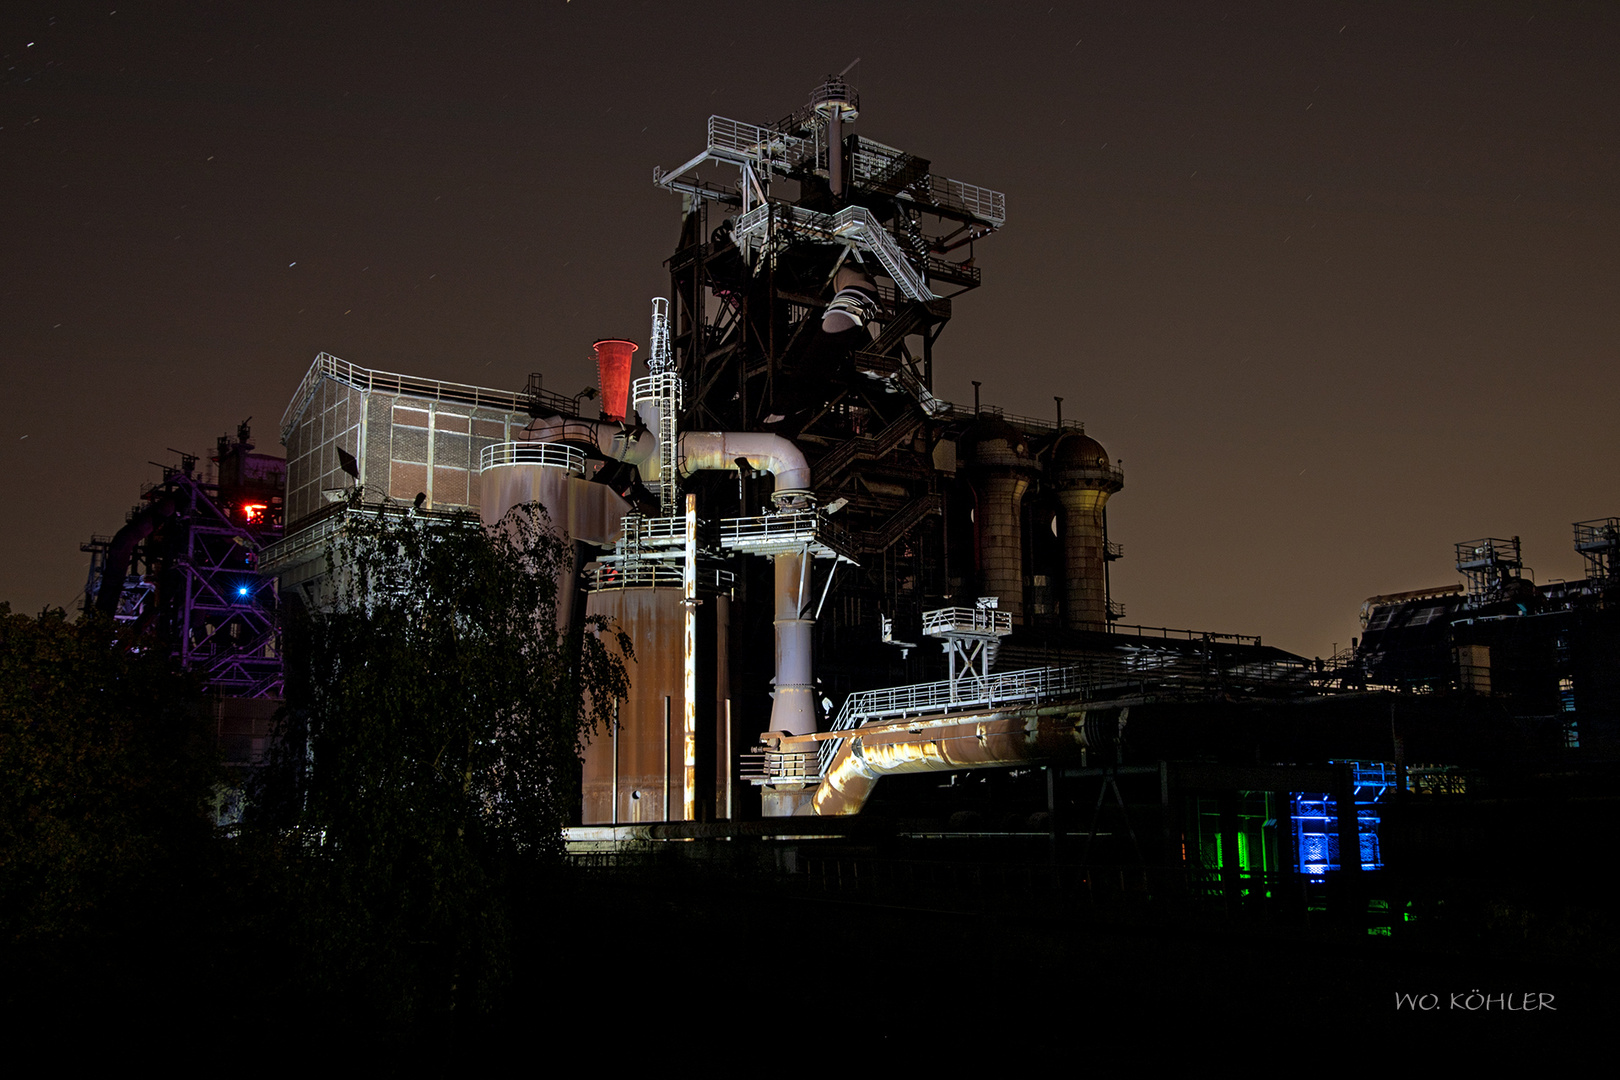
pixel 436 722
pixel 107 767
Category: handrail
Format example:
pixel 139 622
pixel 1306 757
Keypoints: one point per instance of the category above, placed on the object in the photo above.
pixel 552 455
pixel 327 366
pixel 842 456
pixel 1184 635
pixel 920 699
pixel 966 620
pixel 656 388
pixel 791 528
pixel 885 537
pixel 609 577
pixel 852 224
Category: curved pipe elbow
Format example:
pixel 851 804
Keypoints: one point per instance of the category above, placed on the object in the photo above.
pixel 613 439
pixel 763 451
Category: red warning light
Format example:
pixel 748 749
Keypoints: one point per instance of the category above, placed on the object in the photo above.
pixel 253 513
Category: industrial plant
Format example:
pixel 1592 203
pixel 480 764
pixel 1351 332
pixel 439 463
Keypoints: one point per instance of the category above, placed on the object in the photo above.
pixel 860 609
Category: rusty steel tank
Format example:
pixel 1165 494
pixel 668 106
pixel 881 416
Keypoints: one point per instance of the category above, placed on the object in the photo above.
pixel 1000 467
pixel 547 465
pixel 640 772
pixel 1084 479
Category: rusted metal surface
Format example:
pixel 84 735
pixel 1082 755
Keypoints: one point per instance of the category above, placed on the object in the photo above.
pixel 793 707
pixel 576 508
pixel 947 744
pixel 689 601
pixel 719 450
pixel 1081 471
pixel 653 618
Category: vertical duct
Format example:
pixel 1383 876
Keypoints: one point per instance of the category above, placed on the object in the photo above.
pixel 793 706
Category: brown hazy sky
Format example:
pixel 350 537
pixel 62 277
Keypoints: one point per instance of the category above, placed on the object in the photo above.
pixel 1338 281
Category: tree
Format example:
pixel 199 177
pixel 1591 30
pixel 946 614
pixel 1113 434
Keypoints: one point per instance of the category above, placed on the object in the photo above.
pixel 436 721
pixel 107 771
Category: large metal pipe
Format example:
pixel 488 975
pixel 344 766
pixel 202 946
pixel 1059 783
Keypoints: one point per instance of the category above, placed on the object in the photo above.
pixel 122 549
pixel 793 707
pixel 637 446
pixel 699 450
pixel 764 453
pixel 980 741
pixel 793 699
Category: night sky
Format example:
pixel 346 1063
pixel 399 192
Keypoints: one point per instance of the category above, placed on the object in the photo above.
pixel 1338 282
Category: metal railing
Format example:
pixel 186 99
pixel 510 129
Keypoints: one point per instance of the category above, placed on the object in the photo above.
pixel 327 366
pixel 852 224
pixel 552 455
pixel 1184 635
pixel 773 147
pixel 902 522
pixel 650 574
pixel 653 532
pixel 663 389
pixel 1038 423
pixel 944 269
pixel 286 551
pixel 1601 534
pixel 332 521
pixel 784 531
pixel 835 461
pixel 657 388
pixel 979 201
pixel 966 620
pixel 644 575
pixel 757 143
pixel 945 696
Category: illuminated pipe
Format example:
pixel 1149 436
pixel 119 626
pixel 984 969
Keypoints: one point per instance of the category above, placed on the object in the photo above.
pixel 613 359
pixel 700 450
pixel 613 439
pixel 793 700
pixel 793 703
pixel 719 450
pixel 984 740
pixel 689 601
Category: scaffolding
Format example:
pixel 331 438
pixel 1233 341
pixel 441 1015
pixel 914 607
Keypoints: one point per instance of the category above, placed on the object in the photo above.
pixel 1598 542
pixel 1492 568
pixel 189 570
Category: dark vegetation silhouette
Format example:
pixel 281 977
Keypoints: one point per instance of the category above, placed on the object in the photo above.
pixel 400 852
pixel 435 718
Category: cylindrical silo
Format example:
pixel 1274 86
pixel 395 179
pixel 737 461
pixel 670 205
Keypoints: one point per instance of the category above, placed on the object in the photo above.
pixel 638 772
pixel 1000 468
pixel 512 474
pixel 641 766
pixel 1084 479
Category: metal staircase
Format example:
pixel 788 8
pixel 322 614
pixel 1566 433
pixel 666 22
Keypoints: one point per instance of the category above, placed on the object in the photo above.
pixel 902 522
pixel 841 457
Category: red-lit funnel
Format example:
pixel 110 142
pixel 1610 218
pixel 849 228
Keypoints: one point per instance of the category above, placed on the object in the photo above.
pixel 613 368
